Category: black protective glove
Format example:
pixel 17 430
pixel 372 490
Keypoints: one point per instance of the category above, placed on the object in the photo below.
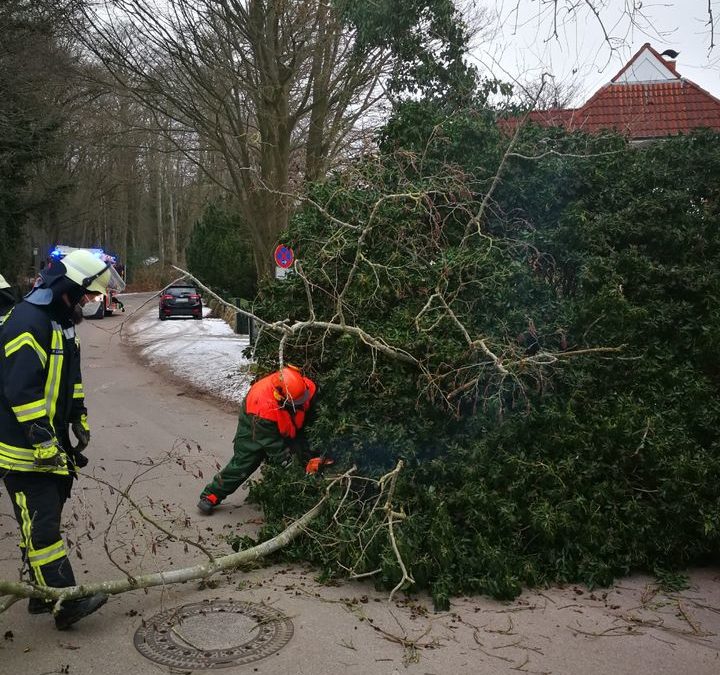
pixel 78 459
pixel 81 429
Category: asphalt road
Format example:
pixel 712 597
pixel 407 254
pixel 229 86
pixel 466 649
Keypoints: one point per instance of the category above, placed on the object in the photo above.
pixel 153 440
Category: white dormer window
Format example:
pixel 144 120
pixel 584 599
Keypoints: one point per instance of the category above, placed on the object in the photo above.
pixel 647 67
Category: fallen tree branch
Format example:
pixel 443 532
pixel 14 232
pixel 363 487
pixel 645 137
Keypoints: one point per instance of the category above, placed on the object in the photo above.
pixel 392 517
pixel 19 589
pixel 300 326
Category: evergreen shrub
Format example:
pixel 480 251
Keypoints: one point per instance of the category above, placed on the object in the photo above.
pixel 593 273
pixel 220 254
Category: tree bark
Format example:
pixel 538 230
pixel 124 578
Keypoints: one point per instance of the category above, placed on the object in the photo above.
pixel 273 93
pixel 16 589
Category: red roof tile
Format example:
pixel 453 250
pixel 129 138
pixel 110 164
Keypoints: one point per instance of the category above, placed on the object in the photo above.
pixel 648 110
pixel 662 107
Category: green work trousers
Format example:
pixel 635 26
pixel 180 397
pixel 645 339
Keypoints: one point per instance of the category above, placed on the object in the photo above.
pixel 255 440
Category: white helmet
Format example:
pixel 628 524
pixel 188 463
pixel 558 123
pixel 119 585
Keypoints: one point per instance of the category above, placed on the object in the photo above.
pixel 89 271
pixel 3 283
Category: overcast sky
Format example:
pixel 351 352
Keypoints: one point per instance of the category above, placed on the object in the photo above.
pixel 520 43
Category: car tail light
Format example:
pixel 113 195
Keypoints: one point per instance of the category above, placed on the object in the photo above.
pixel 195 297
pixel 166 297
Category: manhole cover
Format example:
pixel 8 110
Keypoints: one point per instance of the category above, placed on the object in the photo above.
pixel 214 634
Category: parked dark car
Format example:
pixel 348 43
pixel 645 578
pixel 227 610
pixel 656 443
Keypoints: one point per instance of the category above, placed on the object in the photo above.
pixel 180 300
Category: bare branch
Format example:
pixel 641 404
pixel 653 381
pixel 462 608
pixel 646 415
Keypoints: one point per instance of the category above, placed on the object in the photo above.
pixel 202 571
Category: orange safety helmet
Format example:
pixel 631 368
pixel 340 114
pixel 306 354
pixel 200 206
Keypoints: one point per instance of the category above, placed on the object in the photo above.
pixel 290 386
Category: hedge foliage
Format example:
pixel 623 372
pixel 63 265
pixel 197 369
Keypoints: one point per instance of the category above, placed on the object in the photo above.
pixel 567 468
pixel 219 252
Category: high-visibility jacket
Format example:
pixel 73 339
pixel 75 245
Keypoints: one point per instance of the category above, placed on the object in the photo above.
pixel 41 387
pixel 265 431
pixel 261 401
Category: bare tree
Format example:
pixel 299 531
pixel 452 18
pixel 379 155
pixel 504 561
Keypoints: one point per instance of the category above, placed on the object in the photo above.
pixel 615 19
pixel 277 89
pixel 124 187
pixel 547 93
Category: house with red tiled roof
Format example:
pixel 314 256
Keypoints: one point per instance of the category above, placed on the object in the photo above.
pixel 647 99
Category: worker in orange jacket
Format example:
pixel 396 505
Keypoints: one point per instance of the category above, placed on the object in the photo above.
pixel 272 414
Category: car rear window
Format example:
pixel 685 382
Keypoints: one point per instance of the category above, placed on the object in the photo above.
pixel 180 291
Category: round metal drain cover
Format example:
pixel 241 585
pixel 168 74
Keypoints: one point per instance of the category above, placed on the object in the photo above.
pixel 213 634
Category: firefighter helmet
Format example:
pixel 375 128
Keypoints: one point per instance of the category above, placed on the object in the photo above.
pixel 290 386
pixel 92 273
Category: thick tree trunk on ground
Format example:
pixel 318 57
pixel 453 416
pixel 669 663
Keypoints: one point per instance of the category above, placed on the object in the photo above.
pixel 14 590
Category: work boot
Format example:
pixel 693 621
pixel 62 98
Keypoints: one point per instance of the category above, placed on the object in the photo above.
pixel 208 503
pixel 74 610
pixel 40 606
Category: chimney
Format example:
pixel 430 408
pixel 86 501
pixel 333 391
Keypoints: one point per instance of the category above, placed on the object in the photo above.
pixel 668 57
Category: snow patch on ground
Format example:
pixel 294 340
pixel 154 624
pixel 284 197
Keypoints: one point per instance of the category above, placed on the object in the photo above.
pixel 206 353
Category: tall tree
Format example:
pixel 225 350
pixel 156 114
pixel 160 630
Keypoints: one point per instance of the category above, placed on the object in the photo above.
pixel 278 89
pixel 31 62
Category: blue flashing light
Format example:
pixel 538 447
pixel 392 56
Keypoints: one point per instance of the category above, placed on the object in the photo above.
pixel 60 251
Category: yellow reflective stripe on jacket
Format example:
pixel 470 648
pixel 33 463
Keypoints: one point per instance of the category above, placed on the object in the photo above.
pixel 78 391
pixel 13 458
pixel 22 340
pixel 30 411
pixel 15 453
pixel 52 384
pixel 33 410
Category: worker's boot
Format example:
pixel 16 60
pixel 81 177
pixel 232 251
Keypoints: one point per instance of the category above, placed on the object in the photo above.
pixel 208 503
pixel 39 606
pixel 74 610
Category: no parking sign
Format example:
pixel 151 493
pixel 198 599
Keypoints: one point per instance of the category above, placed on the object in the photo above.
pixel 284 256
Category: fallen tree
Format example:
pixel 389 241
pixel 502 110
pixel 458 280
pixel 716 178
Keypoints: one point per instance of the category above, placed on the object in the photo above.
pixel 525 322
pixel 535 341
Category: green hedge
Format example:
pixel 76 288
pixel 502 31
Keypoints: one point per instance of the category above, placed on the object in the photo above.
pixel 577 470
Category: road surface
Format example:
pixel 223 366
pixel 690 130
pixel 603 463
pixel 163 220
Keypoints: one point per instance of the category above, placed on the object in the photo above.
pixel 154 438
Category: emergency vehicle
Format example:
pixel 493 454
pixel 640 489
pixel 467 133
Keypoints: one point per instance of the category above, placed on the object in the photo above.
pixel 98 306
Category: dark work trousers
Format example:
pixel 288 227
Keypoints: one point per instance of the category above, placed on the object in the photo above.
pixel 256 440
pixel 38 500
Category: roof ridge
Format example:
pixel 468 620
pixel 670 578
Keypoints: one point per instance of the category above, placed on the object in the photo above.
pixel 646 47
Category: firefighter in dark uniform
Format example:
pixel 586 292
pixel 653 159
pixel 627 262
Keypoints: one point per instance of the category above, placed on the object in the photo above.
pixel 271 418
pixel 41 396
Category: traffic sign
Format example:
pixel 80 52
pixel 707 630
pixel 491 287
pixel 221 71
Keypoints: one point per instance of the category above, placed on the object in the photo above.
pixel 284 256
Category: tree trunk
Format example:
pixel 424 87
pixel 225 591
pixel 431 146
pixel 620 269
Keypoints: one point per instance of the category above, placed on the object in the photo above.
pixel 159 219
pixel 173 243
pixel 15 589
